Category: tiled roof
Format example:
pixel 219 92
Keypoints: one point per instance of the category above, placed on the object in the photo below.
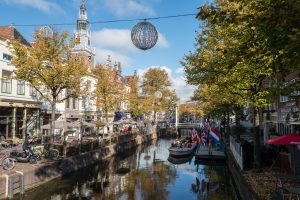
pixel 12 33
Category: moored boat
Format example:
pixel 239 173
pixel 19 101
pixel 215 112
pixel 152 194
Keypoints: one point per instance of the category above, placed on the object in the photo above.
pixel 182 148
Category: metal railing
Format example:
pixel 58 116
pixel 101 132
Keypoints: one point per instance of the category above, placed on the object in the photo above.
pixel 237 151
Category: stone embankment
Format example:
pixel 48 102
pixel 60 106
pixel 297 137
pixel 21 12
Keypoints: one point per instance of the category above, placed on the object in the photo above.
pixel 243 189
pixel 26 176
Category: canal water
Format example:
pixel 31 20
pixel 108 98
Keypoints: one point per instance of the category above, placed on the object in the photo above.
pixel 144 173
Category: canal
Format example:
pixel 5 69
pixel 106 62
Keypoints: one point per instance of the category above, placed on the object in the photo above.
pixel 144 173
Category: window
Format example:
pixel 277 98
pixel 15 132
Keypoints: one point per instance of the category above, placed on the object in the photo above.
pixel 33 91
pixel 21 87
pixel 68 103
pixel 74 103
pixel 6 81
pixel 7 57
pixel 284 99
pixel 83 102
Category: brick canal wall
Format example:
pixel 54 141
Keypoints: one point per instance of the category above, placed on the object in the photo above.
pixel 244 189
pixel 18 181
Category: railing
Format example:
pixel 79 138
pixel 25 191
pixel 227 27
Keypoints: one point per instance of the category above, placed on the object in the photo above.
pixel 187 125
pixel 237 151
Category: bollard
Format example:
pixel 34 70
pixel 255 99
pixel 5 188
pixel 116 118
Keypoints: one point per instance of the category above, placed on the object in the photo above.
pixel 9 188
pixel 21 181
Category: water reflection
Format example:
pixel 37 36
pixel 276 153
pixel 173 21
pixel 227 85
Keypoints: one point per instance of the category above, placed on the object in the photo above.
pixel 145 173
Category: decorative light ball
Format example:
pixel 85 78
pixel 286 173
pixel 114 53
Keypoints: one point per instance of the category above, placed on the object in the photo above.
pixel 144 35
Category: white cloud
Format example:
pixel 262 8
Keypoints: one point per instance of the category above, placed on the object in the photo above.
pixel 43 5
pixel 179 70
pixel 117 39
pixel 128 7
pixel 162 41
pixel 117 43
pixel 101 57
pixel 182 89
pixel 120 40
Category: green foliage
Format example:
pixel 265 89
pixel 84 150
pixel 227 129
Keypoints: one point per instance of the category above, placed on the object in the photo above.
pixel 246 48
pixel 244 45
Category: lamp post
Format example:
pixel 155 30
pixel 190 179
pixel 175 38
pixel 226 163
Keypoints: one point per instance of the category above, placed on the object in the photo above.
pixel 177 116
pixel 157 95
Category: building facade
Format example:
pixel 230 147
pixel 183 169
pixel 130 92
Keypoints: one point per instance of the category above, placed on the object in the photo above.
pixel 19 105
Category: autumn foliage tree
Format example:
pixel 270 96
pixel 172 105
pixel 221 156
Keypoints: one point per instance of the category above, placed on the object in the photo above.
pixel 157 80
pixel 109 90
pixel 50 67
pixel 134 98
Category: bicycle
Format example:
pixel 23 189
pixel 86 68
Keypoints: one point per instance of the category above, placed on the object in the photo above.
pixel 6 162
pixel 41 150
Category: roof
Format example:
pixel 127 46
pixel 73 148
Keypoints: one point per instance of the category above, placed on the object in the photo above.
pixel 11 33
pixel 127 79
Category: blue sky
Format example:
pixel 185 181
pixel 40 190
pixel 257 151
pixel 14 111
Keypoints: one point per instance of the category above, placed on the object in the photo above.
pixel 176 35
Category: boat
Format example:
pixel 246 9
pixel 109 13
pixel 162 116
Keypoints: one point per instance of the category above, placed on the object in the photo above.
pixel 182 148
pixel 178 160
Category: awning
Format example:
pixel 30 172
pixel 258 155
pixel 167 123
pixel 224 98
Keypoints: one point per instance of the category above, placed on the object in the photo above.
pixel 289 139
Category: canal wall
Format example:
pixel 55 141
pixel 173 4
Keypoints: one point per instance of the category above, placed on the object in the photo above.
pixel 18 181
pixel 244 189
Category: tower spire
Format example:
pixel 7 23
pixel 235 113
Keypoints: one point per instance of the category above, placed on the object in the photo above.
pixel 82 34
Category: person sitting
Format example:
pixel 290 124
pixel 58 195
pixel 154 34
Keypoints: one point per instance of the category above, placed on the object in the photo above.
pixel 27 146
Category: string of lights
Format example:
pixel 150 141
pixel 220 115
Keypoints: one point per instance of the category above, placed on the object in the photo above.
pixel 104 21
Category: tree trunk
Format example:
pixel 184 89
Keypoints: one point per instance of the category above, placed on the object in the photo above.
pixel 228 123
pixel 106 118
pixel 257 150
pixel 52 124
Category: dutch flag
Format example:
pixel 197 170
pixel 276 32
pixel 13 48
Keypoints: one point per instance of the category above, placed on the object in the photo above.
pixel 214 135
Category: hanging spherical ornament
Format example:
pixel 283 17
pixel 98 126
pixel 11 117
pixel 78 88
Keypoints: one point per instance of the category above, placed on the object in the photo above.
pixel 144 35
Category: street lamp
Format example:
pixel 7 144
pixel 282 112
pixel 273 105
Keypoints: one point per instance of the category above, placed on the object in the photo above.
pixel 157 95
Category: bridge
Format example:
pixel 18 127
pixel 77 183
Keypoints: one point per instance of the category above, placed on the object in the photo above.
pixel 186 125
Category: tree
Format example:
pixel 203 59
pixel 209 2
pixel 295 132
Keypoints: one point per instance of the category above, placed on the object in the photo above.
pixel 243 46
pixel 157 80
pixel 51 68
pixel 134 98
pixel 109 90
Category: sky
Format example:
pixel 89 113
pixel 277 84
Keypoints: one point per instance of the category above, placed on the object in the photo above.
pixel 176 35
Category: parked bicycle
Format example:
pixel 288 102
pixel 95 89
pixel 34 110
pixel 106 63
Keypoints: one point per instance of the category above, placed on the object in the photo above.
pixel 6 162
pixel 50 154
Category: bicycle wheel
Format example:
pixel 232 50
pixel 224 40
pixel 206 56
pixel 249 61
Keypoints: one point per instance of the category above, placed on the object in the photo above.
pixel 54 153
pixel 32 160
pixel 8 163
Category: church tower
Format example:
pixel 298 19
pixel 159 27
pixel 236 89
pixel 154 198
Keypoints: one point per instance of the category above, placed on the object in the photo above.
pixel 82 36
